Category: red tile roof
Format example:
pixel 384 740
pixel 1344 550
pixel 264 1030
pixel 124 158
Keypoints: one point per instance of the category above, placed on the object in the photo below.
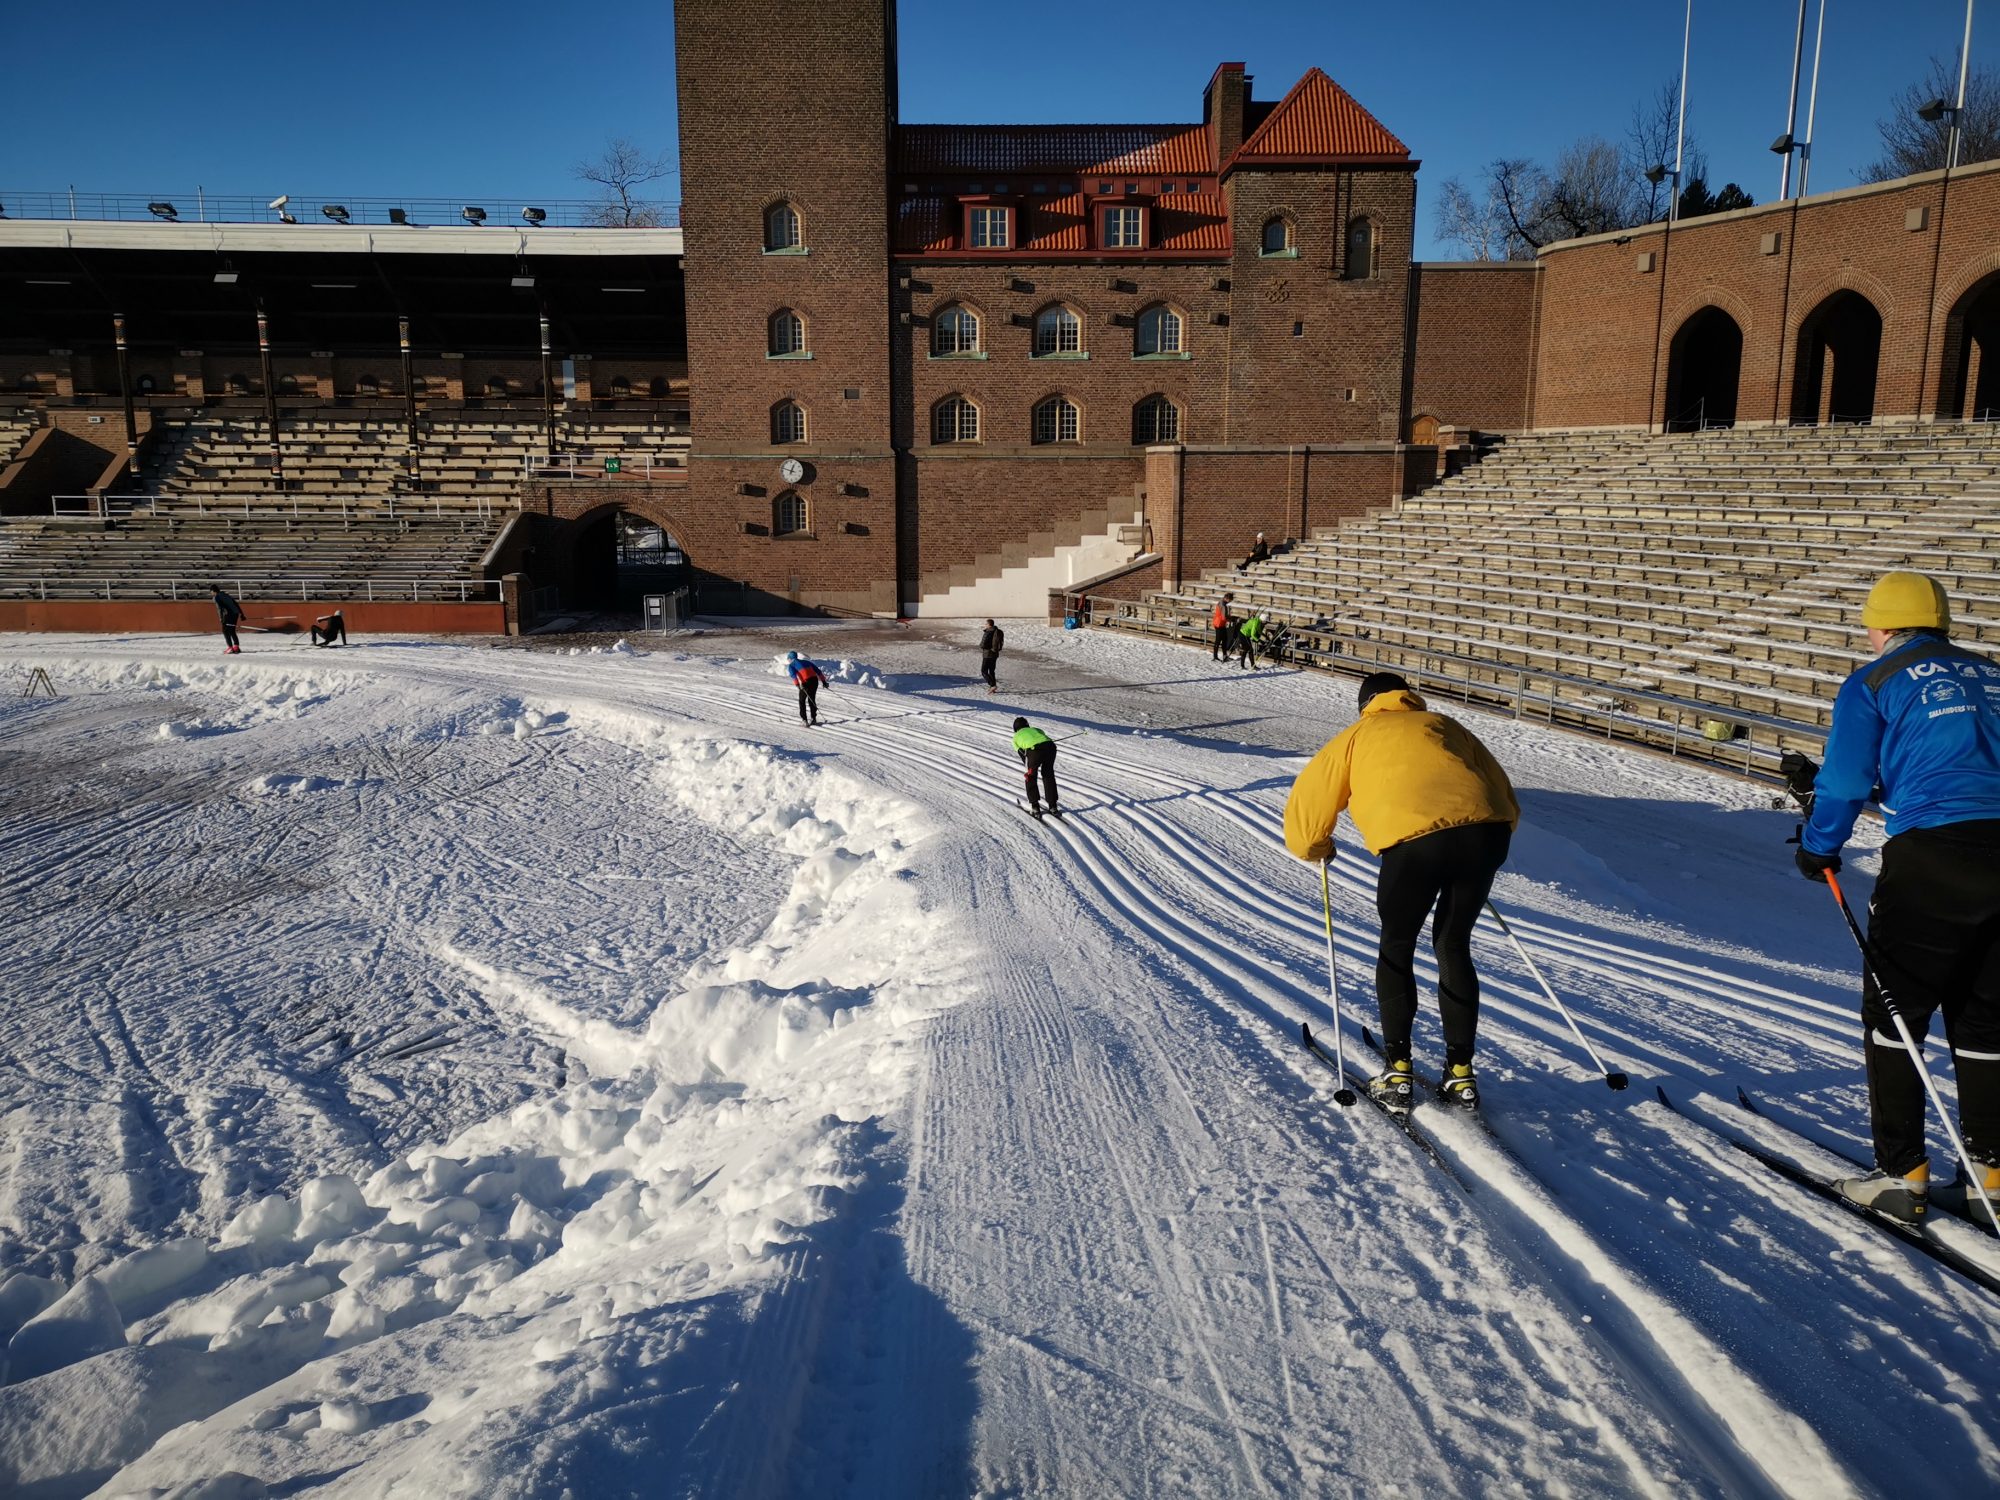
pixel 925 224
pixel 1191 221
pixel 1156 150
pixel 1056 224
pixel 1316 121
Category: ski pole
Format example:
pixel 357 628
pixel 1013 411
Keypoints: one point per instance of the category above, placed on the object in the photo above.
pixel 1973 1179
pixel 1343 1096
pixel 1612 1079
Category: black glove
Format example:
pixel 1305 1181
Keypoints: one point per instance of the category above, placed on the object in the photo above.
pixel 1816 866
pixel 1800 771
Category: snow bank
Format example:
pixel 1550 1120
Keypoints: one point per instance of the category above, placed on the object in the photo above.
pixel 694 1163
pixel 859 674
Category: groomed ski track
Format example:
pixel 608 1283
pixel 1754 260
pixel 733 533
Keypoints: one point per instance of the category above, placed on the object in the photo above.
pixel 1183 1270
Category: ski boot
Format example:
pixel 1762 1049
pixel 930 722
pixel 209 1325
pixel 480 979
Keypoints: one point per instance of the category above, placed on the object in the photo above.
pixel 1957 1196
pixel 1905 1197
pixel 1459 1087
pixel 1394 1087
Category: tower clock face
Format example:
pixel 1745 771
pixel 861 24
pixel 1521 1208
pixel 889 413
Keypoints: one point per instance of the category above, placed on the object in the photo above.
pixel 791 471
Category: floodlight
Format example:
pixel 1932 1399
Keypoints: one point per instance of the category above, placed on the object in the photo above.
pixel 285 218
pixel 163 211
pixel 1783 145
pixel 335 211
pixel 534 215
pixel 281 200
pixel 472 215
pixel 398 216
pixel 225 278
pixel 523 283
pixel 1934 110
pixel 1657 174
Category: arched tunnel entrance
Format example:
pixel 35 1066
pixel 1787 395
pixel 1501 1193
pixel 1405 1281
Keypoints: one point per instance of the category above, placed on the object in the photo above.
pixel 1704 365
pixel 1971 386
pixel 1840 343
pixel 617 557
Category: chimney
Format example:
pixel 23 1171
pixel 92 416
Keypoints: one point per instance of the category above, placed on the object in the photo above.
pixel 1223 105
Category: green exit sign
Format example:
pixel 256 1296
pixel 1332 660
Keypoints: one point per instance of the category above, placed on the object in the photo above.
pixel 613 465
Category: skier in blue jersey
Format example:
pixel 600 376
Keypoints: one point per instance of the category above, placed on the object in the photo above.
pixel 806 677
pixel 1919 727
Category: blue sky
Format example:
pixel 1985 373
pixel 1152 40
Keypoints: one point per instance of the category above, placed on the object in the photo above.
pixel 499 100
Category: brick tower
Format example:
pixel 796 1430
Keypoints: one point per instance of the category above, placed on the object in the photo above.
pixel 787 114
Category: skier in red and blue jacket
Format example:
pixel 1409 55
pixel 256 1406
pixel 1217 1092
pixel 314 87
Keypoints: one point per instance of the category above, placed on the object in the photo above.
pixel 806 677
pixel 1920 727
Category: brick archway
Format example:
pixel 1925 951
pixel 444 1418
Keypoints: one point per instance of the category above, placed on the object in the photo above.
pixel 1969 380
pixel 1704 371
pixel 582 557
pixel 1837 360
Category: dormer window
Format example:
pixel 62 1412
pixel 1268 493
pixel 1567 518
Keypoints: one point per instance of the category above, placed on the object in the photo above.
pixel 987 228
pixel 1124 228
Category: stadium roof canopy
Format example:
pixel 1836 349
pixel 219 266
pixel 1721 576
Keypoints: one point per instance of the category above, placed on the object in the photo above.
pixel 340 288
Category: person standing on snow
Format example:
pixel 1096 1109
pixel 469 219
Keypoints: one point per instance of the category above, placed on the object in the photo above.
pixel 806 677
pixel 1922 723
pixel 231 612
pixel 1219 622
pixel 1248 634
pixel 991 639
pixel 1432 801
pixel 1038 754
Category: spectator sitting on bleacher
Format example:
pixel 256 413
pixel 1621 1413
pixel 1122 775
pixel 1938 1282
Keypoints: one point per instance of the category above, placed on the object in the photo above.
pixel 327 628
pixel 1260 551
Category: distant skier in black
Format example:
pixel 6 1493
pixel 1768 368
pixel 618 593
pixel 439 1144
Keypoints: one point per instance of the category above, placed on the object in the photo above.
pixel 991 639
pixel 231 612
pixel 1038 754
pixel 327 628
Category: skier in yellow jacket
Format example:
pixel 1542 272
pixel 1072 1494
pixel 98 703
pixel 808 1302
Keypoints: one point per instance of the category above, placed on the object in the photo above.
pixel 1432 801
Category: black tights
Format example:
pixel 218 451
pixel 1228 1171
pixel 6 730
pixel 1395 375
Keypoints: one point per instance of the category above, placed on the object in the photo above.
pixel 1451 869
pixel 1935 927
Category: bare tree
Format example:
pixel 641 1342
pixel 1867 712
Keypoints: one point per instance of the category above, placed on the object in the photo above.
pixel 1910 144
pixel 1478 224
pixel 621 169
pixel 1649 142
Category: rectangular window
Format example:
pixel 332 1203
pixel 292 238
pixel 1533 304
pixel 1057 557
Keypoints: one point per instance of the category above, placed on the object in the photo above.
pixel 989 229
pixel 1121 229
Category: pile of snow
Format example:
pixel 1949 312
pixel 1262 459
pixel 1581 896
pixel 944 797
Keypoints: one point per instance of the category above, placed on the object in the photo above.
pixel 859 674
pixel 406 1327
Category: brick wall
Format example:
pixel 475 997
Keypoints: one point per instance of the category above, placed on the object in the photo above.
pixel 1206 505
pixel 1608 321
pixel 1302 332
pixel 791 100
pixel 972 506
pixel 1474 343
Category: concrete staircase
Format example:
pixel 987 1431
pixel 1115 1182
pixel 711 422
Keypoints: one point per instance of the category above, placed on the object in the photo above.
pixel 1015 581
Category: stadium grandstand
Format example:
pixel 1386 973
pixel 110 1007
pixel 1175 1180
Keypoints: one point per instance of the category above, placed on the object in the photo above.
pixel 1635 484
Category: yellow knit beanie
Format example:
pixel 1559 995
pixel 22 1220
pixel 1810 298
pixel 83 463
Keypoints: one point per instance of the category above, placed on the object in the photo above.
pixel 1906 601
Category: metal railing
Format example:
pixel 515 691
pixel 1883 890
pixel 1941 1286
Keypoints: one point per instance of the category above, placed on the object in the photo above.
pixel 1558 698
pixel 608 463
pixel 203 207
pixel 177 589
pixel 110 507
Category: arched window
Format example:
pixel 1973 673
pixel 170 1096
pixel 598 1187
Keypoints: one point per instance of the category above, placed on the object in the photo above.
pixel 658 388
pixel 1057 421
pixel 788 332
pixel 146 385
pixel 954 420
pixel 781 227
pixel 1159 332
pixel 1360 248
pixel 956 331
pixel 1277 235
pixel 34 382
pixel 1058 330
pixel 788 422
pixel 620 387
pixel 288 385
pixel 788 514
pixel 1156 420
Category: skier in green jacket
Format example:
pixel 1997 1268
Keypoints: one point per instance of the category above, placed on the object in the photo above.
pixel 1248 636
pixel 1038 754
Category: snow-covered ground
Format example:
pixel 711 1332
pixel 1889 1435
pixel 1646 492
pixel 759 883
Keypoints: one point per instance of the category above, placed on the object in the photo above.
pixel 449 1069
